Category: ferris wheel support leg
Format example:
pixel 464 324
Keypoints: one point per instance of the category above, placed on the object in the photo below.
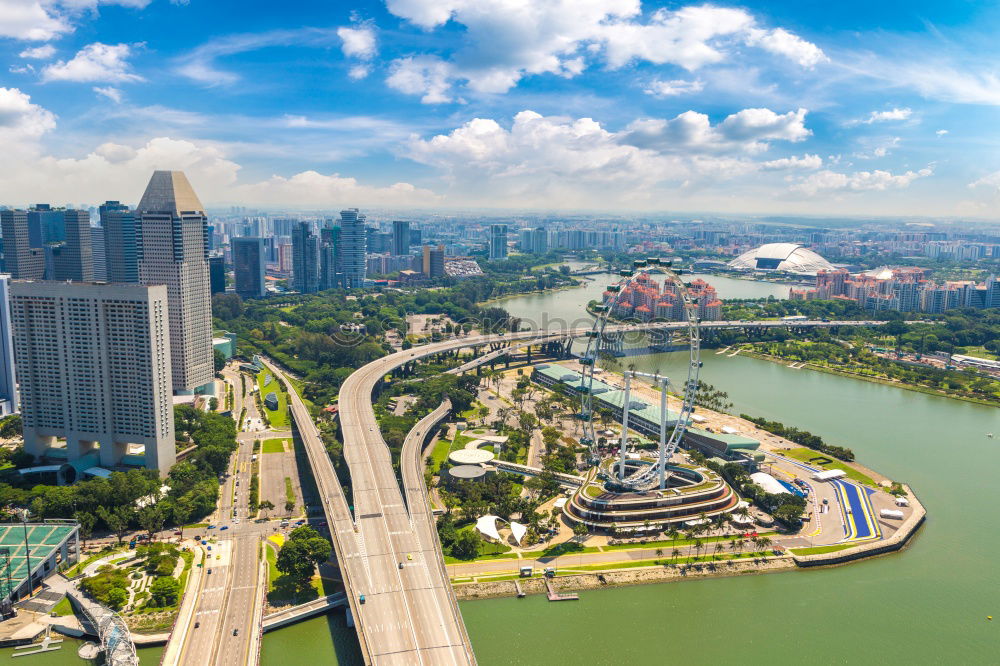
pixel 662 461
pixel 625 411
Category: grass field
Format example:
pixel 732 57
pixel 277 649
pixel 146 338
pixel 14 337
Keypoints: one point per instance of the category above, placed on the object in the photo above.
pixel 63 608
pixel 279 417
pixel 275 445
pixel 804 455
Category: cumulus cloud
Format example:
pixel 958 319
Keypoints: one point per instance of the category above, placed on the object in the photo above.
pixel 506 40
pixel 748 130
pixel 39 52
pixel 781 42
pixel 941 132
pixel 359 43
pixel 991 181
pixel 542 160
pixel 93 63
pixel 831 181
pixel 20 119
pixel 661 88
pixel 31 20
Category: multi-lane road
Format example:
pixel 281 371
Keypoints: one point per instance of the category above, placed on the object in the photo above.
pixel 225 627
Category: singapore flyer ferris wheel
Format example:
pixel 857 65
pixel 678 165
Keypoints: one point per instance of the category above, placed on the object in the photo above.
pixel 601 342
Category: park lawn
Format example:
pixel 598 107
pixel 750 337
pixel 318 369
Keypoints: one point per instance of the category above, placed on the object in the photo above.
pixel 439 454
pixel 980 352
pixel 670 544
pixel 274 445
pixel 704 559
pixel 63 608
pixel 803 454
pixel 78 568
pixel 281 589
pixel 564 548
pixel 279 417
pixel 460 441
pixel 819 550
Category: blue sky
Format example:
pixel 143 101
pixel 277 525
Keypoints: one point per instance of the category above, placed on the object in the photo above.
pixel 869 108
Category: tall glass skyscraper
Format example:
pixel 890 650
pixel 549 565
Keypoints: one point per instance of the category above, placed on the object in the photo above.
pixel 248 264
pixel 305 259
pixel 121 242
pixel 353 248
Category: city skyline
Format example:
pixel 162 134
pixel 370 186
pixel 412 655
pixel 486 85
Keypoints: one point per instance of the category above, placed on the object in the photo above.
pixel 617 105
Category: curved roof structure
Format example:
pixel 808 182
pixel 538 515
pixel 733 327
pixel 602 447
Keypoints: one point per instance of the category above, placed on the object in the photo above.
pixel 470 456
pixel 467 472
pixel 787 257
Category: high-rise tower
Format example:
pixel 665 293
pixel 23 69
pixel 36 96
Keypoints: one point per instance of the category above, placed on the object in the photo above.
pixel 174 251
pixel 353 248
pixel 400 237
pixel 121 242
pixel 305 259
pixel 248 265
pixel 498 241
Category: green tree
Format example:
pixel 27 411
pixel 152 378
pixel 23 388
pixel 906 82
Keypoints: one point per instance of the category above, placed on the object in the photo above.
pixel 117 519
pixel 301 553
pixel 116 598
pixel 219 360
pixel 164 591
pixel 466 545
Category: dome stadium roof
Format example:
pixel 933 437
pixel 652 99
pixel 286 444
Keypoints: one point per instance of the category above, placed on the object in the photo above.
pixel 787 257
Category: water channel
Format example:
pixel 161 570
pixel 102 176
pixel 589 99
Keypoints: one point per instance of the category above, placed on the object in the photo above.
pixel 927 604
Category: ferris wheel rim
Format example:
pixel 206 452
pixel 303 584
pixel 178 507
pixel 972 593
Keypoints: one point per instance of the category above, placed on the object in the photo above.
pixel 593 351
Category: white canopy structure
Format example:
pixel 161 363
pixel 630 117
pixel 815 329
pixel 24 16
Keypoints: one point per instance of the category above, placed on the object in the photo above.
pixel 487 526
pixel 829 474
pixel 787 257
pixel 518 531
pixel 768 483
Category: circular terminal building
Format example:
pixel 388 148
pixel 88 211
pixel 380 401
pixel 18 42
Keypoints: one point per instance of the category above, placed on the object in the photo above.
pixel 465 473
pixel 689 493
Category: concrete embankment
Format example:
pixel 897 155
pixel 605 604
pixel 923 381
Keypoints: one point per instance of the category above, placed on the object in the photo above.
pixel 620 577
pixel 896 542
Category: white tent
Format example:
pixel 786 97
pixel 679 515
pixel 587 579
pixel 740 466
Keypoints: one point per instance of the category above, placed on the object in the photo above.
pixel 829 474
pixel 487 526
pixel 768 483
pixel 518 531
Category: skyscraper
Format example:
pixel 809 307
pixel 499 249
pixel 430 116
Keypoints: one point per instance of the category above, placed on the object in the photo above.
pixel 330 276
pixel 305 259
pixel 22 260
pixel 94 367
pixel 217 274
pixel 400 237
pixel 8 381
pixel 121 242
pixel 97 248
pixel 539 240
pixel 75 259
pixel 433 261
pixel 248 264
pixel 353 248
pixel 172 226
pixel 498 241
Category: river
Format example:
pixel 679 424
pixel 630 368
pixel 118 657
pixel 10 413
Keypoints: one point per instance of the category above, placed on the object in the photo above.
pixel 927 604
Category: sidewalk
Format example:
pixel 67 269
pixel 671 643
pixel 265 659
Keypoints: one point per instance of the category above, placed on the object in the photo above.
pixel 175 644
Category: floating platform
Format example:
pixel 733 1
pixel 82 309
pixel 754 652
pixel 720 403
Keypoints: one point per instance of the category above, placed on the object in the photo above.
pixel 557 596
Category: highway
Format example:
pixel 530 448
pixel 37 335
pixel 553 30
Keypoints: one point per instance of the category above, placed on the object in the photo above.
pixel 409 615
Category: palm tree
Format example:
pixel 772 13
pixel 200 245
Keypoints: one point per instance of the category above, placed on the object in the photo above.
pixel 697 548
pixel 718 548
pixel 732 545
pixel 675 554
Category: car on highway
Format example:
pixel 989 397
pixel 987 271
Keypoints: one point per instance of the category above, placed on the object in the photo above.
pixel 224 527
pixel 236 632
pixel 210 571
pixel 400 565
pixel 211 527
pixel 409 556
pixel 197 624
pixel 361 599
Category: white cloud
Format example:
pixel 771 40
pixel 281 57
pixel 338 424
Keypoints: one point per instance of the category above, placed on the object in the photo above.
pixel 781 42
pixel 859 181
pixel 794 162
pixel 661 88
pixel 745 131
pixel 506 40
pixel 358 42
pixel 20 119
pixel 941 132
pixel 39 52
pixel 990 180
pixel 31 20
pixel 95 62
pixel 891 114
pixel 426 75
pixel 112 93
pixel 81 5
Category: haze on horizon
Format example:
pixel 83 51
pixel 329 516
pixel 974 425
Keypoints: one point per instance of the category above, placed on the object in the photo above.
pixel 603 105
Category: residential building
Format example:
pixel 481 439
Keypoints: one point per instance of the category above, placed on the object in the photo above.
pixel 121 242
pixel 353 248
pixel 433 261
pixel 305 259
pixel 330 274
pixel 174 252
pixel 94 367
pixel 498 241
pixel 248 265
pixel 539 240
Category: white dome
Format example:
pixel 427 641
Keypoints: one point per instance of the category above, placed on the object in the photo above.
pixel 786 257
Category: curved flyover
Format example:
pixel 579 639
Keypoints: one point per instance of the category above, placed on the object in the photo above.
pixel 409 615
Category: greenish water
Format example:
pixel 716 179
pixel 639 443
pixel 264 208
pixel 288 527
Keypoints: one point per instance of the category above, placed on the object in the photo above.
pixel 927 604
pixel 566 308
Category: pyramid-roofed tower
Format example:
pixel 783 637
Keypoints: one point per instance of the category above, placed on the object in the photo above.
pixel 170 192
